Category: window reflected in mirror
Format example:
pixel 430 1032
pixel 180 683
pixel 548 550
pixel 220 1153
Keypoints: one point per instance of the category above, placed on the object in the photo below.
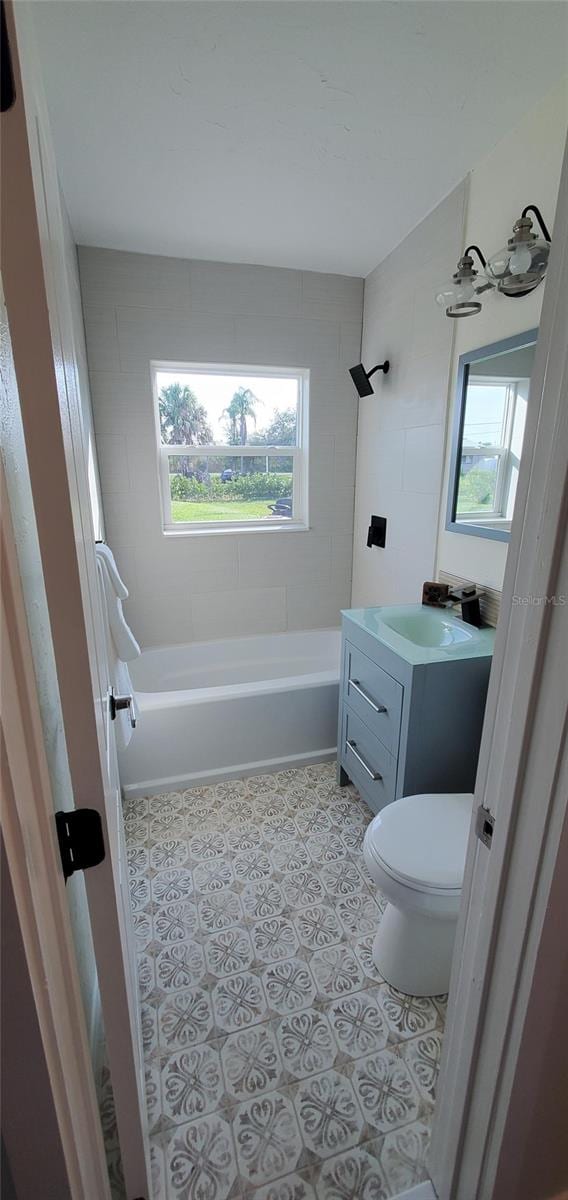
pixel 493 395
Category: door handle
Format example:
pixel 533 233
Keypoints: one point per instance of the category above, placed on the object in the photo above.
pixel 120 703
pixel 354 683
pixel 352 746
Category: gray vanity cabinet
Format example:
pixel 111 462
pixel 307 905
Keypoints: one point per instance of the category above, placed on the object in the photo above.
pixel 406 728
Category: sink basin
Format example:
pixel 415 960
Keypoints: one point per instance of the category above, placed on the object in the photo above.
pixel 424 635
pixel 429 628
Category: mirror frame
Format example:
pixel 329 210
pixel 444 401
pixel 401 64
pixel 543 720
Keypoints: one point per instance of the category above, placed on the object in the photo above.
pixel 517 342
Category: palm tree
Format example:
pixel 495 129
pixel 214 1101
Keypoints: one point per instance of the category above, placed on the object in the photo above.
pixel 183 420
pixel 242 406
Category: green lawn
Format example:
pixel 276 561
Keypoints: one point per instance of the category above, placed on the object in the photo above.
pixel 233 510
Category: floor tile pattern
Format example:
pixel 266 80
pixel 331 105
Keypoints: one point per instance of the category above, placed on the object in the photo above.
pixel 279 1065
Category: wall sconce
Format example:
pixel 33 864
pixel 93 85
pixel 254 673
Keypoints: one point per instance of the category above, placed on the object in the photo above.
pixel 514 271
pixel 361 377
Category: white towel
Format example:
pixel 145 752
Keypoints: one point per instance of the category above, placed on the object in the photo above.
pixel 122 646
pixel 115 592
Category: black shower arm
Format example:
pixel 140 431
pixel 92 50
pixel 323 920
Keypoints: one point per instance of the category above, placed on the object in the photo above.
pixel 532 208
pixel 384 366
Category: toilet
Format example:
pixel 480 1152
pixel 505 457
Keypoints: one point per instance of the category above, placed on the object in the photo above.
pixel 415 852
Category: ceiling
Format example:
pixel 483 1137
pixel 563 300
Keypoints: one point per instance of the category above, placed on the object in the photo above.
pixel 311 135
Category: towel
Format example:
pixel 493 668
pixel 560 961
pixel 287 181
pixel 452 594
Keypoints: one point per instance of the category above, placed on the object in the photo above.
pixel 122 646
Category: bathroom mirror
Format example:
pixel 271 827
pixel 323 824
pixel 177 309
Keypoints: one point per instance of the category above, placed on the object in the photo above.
pixel 489 425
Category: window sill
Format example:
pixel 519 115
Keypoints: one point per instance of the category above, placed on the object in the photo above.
pixel 212 530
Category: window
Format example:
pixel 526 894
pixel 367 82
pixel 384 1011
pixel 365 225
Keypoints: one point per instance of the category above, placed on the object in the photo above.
pixel 491 448
pixel 232 446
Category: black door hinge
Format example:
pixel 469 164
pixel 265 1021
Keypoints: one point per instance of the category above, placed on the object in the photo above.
pixel 484 826
pixel 81 842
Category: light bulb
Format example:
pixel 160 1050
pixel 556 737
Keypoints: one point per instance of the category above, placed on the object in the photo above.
pixel 520 261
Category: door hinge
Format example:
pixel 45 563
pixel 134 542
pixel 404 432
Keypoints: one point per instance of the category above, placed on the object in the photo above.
pixel 484 826
pixel 80 837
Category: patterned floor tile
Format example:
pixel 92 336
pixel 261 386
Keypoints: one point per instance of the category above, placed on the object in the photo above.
pixel 169 887
pixel 406 1015
pixel 179 967
pixel 263 899
pixel 318 927
pixel 267 1138
pixel 172 853
pixel 212 876
pixel 175 922
pixel 303 887
pixel 200 1160
pixel 328 1114
pixel 291 1187
pixel 274 939
pixel 192 1083
pixel 289 857
pixel 358 1024
pixel 228 952
pixel 289 986
pixel 423 1057
pixel 148 1028
pixel 222 910
pixel 238 1002
pixel 207 846
pixel 359 914
pixel 307 1045
pixel 385 1090
pixel 279 1065
pixel 184 1020
pixel 355 1175
pixel 251 1062
pixel 336 972
pixel 403 1157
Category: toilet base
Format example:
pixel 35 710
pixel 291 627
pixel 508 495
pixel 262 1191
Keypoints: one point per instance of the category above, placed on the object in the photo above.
pixel 414 952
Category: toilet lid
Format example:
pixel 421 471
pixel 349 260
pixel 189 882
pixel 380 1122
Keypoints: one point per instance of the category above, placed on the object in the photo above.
pixel 422 839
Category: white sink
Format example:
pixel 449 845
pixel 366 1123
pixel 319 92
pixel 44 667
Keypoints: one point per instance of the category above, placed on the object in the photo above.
pixel 429 627
pixel 421 635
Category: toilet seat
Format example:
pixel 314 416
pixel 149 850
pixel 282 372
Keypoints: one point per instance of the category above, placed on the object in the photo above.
pixel 420 841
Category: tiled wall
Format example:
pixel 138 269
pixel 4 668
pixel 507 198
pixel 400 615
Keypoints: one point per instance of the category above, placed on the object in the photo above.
pixel 139 307
pixel 400 445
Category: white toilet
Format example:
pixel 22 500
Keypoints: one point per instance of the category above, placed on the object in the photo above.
pixel 415 852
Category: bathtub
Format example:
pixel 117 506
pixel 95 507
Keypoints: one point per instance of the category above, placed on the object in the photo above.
pixel 210 711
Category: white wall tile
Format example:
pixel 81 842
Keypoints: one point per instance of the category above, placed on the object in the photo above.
pixel 423 453
pixel 332 296
pixel 145 334
pixel 316 605
pixel 115 277
pixel 244 290
pixel 101 336
pixel 139 310
pixel 401 428
pixel 287 341
pixel 243 612
pixel 283 557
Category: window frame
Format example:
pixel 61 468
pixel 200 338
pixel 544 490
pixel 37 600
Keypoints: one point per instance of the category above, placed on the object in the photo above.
pixel 298 453
pixel 501 451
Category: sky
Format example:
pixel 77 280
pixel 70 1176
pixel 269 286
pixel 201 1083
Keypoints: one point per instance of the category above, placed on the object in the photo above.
pixel 215 392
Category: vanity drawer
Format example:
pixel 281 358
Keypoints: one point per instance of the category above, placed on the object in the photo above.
pixel 367 762
pixel 375 696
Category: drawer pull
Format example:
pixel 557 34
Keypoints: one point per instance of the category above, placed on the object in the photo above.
pixel 378 708
pixel 352 746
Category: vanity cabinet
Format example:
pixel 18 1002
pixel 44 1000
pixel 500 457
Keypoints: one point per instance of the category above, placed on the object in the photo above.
pixel 407 727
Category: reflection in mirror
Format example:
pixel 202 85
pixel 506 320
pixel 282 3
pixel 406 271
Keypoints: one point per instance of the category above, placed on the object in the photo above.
pixel 491 408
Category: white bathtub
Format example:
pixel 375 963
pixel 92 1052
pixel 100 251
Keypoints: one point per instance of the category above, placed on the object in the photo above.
pixel 215 710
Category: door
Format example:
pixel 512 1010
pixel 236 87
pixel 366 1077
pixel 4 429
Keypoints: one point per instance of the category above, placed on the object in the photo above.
pixel 508 892
pixel 38 301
